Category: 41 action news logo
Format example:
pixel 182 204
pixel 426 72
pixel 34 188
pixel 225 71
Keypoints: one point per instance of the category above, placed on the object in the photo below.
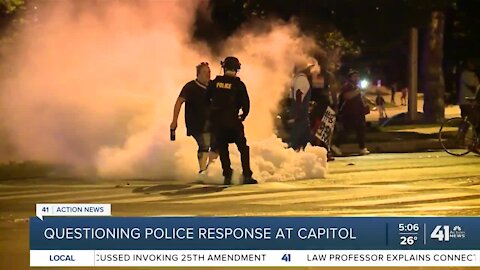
pixel 443 233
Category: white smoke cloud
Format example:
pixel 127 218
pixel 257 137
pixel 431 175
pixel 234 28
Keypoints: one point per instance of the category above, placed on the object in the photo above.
pixel 95 87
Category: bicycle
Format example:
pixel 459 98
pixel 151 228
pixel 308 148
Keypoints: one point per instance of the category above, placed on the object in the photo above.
pixel 458 136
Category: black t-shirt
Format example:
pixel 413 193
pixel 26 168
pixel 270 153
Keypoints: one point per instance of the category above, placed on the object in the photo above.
pixel 196 107
pixel 354 107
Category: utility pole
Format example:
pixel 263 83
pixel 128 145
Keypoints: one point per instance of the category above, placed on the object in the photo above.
pixel 413 75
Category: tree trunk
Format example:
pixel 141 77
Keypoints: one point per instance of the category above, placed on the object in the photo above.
pixel 434 84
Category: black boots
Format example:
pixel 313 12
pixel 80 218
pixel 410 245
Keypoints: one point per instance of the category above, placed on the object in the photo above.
pixel 246 180
pixel 227 180
pixel 249 181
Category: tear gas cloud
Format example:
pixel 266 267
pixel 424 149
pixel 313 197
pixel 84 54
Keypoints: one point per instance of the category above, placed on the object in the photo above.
pixel 93 86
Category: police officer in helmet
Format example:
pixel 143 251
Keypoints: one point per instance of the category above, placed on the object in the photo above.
pixel 228 95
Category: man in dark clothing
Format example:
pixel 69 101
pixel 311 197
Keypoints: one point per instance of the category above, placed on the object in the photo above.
pixel 394 90
pixel 320 95
pixel 196 112
pixel 468 85
pixel 227 94
pixel 352 111
pixel 321 101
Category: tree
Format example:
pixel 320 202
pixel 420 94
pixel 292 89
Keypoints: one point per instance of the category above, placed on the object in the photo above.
pixel 10 6
pixel 8 17
pixel 434 83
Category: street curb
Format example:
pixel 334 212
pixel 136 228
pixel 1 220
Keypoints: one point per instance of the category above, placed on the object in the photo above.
pixel 398 146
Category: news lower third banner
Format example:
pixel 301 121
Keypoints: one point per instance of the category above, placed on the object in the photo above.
pixel 103 240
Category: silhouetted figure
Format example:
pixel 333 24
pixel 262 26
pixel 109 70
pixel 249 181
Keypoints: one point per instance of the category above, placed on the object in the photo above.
pixel 352 112
pixel 228 95
pixel 394 90
pixel 301 96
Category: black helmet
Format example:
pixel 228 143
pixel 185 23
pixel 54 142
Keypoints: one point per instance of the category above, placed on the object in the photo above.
pixel 231 63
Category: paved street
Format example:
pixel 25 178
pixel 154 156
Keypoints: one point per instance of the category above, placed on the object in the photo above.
pixel 414 184
pixel 450 111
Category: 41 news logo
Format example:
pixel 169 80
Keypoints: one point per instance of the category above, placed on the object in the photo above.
pixel 287 257
pixel 443 233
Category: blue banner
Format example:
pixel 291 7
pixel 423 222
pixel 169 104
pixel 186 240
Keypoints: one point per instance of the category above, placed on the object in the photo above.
pixel 254 233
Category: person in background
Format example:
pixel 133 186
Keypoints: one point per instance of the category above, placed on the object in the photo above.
pixel 469 89
pixel 320 101
pixel 380 104
pixel 468 85
pixel 300 95
pixel 351 113
pixel 403 98
pixel 477 118
pixel 193 94
pixel 227 95
pixel 394 89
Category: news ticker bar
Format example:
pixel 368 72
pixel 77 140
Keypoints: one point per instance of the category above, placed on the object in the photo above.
pixel 272 258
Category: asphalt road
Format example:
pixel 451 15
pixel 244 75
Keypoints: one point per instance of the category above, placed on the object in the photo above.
pixel 413 184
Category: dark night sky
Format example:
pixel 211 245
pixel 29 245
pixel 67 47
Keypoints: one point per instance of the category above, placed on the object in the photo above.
pixel 379 27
